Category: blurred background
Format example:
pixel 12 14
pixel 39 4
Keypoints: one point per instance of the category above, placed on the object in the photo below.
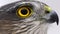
pixel 54 4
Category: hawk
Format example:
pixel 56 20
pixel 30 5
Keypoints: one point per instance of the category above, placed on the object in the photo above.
pixel 26 17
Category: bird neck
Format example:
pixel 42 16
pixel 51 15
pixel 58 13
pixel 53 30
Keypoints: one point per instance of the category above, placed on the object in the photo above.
pixel 43 29
pixel 40 29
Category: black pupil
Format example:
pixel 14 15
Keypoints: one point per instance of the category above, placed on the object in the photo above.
pixel 24 11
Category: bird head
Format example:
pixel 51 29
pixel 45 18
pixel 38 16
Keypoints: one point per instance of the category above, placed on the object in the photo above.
pixel 21 16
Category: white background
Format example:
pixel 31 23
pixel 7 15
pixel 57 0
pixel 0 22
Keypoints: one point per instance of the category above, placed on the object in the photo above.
pixel 54 4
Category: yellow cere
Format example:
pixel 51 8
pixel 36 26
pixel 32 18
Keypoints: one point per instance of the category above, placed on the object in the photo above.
pixel 27 12
pixel 47 8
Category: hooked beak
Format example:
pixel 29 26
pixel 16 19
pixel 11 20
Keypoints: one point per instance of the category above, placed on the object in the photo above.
pixel 54 17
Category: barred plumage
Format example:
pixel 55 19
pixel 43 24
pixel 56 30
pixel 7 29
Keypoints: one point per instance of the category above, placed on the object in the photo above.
pixel 37 23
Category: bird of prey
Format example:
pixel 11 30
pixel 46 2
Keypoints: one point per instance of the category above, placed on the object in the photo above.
pixel 26 17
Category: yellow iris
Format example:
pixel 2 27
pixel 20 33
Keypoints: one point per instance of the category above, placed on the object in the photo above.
pixel 24 12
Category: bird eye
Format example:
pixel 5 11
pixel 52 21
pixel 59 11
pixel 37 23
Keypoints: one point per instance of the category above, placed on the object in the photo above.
pixel 47 9
pixel 24 12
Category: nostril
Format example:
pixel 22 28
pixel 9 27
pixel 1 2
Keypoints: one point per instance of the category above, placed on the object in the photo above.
pixel 47 11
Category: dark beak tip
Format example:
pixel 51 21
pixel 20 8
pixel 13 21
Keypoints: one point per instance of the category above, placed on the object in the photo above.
pixel 54 17
pixel 57 20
